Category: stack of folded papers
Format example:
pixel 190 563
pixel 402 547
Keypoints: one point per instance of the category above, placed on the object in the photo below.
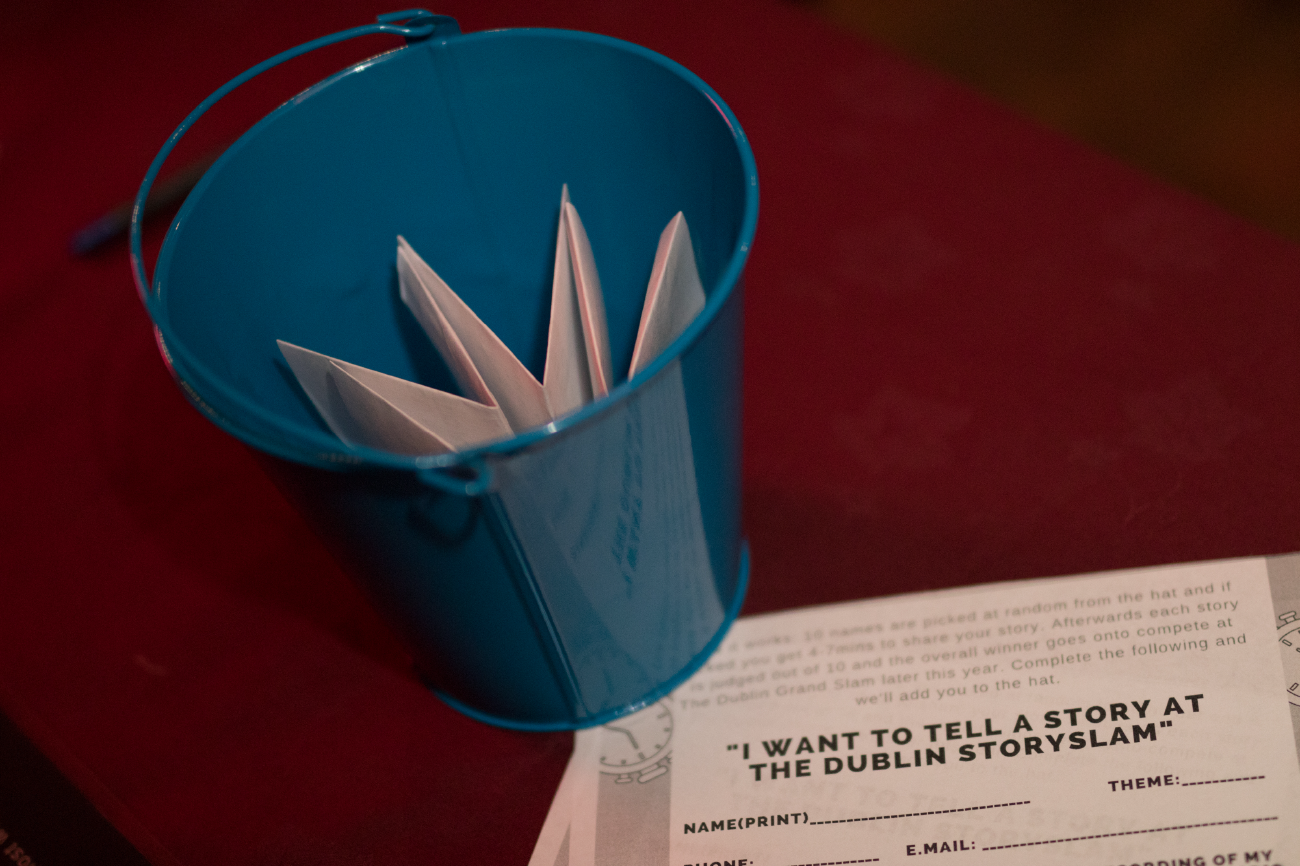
pixel 499 396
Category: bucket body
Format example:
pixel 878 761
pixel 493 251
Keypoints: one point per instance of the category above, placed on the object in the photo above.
pixel 569 574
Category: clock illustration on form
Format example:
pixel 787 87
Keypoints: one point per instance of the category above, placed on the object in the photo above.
pixel 1288 635
pixel 635 748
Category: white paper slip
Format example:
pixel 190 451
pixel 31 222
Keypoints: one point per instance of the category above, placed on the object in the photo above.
pixel 674 297
pixel 411 274
pixel 365 407
pixel 439 310
pixel 1129 717
pixel 566 380
pixel 591 304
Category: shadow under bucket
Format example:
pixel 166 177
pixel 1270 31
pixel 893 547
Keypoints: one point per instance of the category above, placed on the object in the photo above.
pixel 572 573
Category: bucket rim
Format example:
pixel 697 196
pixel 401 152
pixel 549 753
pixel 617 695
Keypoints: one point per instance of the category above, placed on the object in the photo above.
pixel 315 447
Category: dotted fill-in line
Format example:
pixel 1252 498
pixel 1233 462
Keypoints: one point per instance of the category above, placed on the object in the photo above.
pixel 840 862
pixel 918 814
pixel 1221 781
pixel 1130 833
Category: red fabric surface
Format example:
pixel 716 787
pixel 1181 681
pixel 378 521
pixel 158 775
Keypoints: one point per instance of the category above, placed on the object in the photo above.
pixel 975 351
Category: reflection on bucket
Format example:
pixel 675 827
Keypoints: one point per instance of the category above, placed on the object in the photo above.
pixel 611 525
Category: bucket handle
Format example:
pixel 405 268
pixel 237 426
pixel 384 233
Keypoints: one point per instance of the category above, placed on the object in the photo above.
pixel 414 24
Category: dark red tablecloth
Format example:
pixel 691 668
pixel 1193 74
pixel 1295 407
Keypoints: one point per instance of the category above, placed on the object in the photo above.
pixel 975 351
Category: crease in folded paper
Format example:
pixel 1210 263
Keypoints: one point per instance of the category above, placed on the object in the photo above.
pixel 591 304
pixel 674 297
pixel 565 380
pixel 366 407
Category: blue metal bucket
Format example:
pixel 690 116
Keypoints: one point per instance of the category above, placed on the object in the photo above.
pixel 569 574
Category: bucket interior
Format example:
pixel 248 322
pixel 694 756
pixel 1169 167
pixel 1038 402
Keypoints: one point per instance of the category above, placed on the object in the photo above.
pixel 462 147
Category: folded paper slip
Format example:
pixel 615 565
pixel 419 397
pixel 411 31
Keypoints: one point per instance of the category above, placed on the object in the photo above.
pixel 364 407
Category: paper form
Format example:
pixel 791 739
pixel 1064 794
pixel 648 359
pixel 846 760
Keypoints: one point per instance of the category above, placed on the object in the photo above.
pixel 1129 717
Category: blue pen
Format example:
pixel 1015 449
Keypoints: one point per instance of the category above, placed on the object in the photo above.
pixel 165 195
